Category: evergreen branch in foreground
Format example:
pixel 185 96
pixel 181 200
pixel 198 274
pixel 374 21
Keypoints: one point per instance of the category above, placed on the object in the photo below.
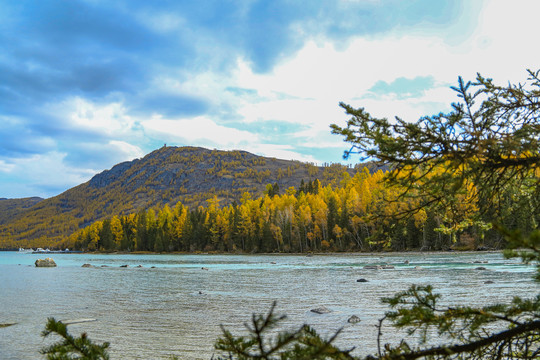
pixel 70 347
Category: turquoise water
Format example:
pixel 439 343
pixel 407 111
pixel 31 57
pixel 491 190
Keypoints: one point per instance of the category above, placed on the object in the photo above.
pixel 177 307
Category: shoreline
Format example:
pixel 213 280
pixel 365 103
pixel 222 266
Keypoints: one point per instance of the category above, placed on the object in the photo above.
pixel 412 252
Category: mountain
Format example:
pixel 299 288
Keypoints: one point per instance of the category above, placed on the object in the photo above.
pixel 10 208
pixel 165 176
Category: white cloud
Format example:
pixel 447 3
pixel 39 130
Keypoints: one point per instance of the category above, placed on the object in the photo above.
pixel 109 119
pixel 6 167
pixel 286 152
pixel 126 150
pixel 45 174
pixel 197 131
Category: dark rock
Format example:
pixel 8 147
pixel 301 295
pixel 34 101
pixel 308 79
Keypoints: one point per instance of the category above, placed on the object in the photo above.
pixel 139 266
pixel 354 319
pixel 372 267
pixel 321 310
pixel 104 265
pixel 406 262
pixel 488 282
pixel 361 280
pixel 480 268
pixel 48 262
pixel 152 267
pixel 87 265
pixel 204 268
pixel 125 266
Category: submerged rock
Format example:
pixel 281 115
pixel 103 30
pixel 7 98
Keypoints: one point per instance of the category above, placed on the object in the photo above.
pixel 76 321
pixel 372 267
pixel 321 310
pixel 48 262
pixel 354 319
pixel 480 268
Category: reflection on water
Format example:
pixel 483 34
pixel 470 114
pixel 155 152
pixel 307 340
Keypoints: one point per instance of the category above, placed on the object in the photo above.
pixel 175 304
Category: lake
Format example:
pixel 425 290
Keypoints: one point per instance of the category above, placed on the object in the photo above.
pixel 177 307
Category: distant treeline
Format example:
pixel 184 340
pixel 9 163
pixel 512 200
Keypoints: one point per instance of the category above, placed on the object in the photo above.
pixel 353 215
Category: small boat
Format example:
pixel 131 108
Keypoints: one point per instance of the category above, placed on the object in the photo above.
pixel 41 251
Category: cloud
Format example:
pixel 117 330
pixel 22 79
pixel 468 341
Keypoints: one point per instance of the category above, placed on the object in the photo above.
pixel 197 131
pixel 5 167
pixel 98 155
pixel 42 175
pixel 169 104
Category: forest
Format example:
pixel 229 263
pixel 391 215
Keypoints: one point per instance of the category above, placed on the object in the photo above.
pixel 358 213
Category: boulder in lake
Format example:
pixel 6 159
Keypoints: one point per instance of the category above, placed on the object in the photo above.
pixel 354 319
pixel 124 266
pixel 48 262
pixel 488 282
pixel 480 268
pixel 321 310
pixel 87 265
pixel 361 280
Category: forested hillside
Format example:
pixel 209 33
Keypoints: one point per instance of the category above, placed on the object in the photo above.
pixel 359 213
pixel 166 176
pixel 10 208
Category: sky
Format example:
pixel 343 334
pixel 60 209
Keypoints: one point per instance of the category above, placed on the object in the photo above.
pixel 87 84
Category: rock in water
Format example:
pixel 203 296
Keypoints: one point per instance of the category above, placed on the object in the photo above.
pixel 321 310
pixel 87 265
pixel 48 262
pixel 361 280
pixel 76 321
pixel 354 319
pixel 372 267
